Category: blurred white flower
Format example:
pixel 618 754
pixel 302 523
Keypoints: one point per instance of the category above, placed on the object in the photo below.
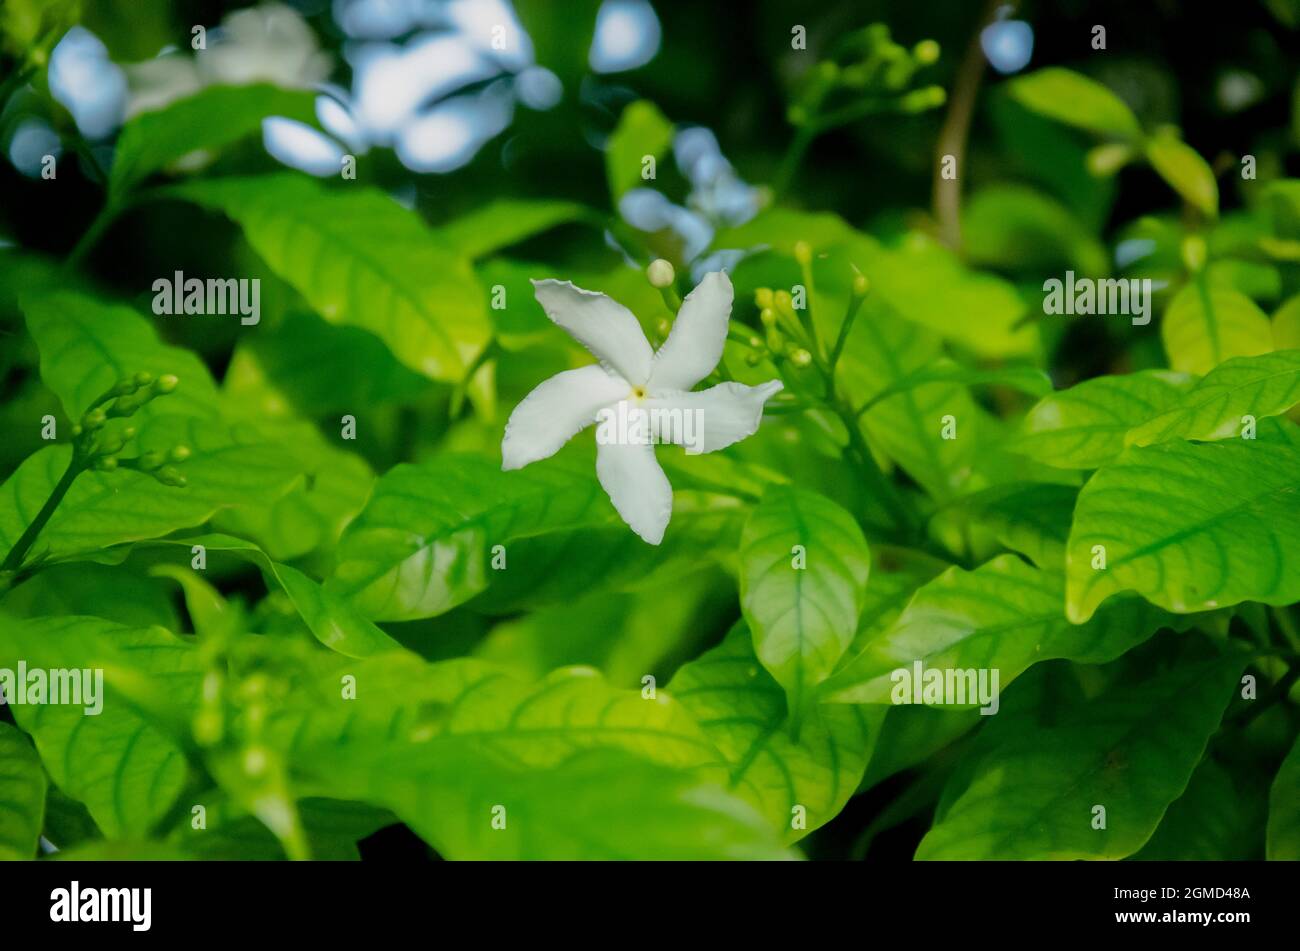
pixel 634 383
pixel 718 197
pixel 87 83
pixel 271 43
pixel 626 36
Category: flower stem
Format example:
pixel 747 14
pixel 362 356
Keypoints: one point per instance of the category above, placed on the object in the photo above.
pixel 13 561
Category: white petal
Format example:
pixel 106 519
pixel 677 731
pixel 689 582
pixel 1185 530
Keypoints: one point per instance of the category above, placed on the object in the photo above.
pixel 711 419
pixel 602 325
pixel 637 486
pixel 555 411
pixel 694 346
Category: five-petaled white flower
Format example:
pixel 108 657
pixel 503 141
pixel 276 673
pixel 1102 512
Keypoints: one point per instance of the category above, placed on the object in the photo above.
pixel 634 382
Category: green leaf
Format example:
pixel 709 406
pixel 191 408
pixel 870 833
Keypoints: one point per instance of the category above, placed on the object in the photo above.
pixel 424 542
pixel 803 574
pixel 1284 810
pixel 125 770
pixel 1286 325
pixel 1204 326
pixel 22 795
pixel 642 131
pixel 1003 616
pixel 1186 172
pixel 506 221
pixel 1191 526
pixel 88 344
pixel 742 710
pixel 565 763
pixel 225 468
pixel 1084 427
pixel 1266 385
pixel 1216 819
pixel 1029 380
pixel 561 566
pixel 1072 98
pixel 1018 228
pixel 1032 518
pixel 360 258
pixel 113 593
pixel 1030 786
pixel 210 119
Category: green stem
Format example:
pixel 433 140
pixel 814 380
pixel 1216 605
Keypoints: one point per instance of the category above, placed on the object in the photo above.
pixel 855 304
pixel 14 560
pixel 107 215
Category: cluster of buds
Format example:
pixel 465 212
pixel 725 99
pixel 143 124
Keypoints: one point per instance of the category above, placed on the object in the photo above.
pixel 867 65
pixel 100 447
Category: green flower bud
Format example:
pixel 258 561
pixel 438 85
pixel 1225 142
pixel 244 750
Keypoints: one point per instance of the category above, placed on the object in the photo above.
pixel 860 285
pixel 179 453
pixel 94 419
pixel 165 384
pixel 111 444
pixel 106 463
pixel 170 475
pixel 926 52
pixel 802 252
pixel 768 316
pixel 123 386
pixel 150 461
pixel 1194 252
pixel 143 378
pixel 763 297
pixel 662 327
pixel 753 359
pixel 76 430
pixel 801 357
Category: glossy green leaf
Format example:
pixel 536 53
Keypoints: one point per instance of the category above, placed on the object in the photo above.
pixel 330 618
pixel 1284 809
pixel 22 795
pixel 1191 526
pixel 506 221
pixel 88 344
pixel 360 258
pixel 124 769
pixel 1266 385
pixel 1003 616
pixel 803 574
pixel 210 119
pixel 1216 819
pixel 1023 379
pixel 1186 172
pixel 1084 427
pixel 642 131
pixel 1204 326
pixel 743 711
pixel 449 747
pixel 1072 98
pixel 423 543
pixel 1032 518
pixel 1030 788
pixel 225 468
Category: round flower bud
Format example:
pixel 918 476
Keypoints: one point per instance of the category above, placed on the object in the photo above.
pixel 660 273
pixel 165 383
pixel 925 52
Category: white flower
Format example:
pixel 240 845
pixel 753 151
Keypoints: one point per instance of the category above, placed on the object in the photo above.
pixel 634 383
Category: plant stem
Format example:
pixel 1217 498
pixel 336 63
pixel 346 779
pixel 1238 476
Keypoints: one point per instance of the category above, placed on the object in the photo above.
pixel 855 304
pixel 13 561
pixel 956 128
pixel 107 215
